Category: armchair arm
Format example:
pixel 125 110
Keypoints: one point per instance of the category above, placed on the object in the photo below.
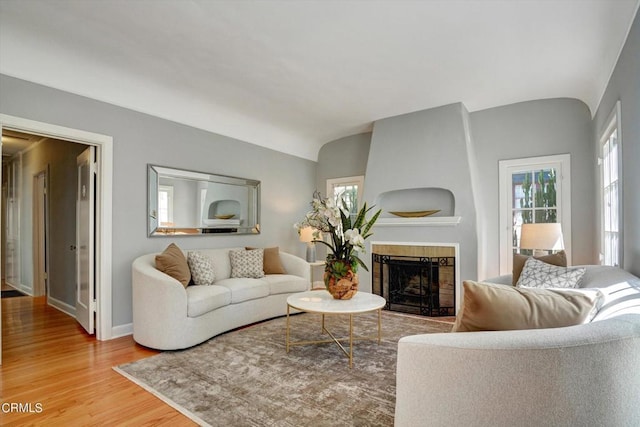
pixel 295 265
pixel 159 304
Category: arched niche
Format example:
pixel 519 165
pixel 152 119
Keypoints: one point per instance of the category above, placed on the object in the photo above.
pixel 417 199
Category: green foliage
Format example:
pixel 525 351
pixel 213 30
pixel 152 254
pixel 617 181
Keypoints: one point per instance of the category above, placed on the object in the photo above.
pixel 526 201
pixel 347 236
pixel 541 197
pixel 337 268
pixel 539 201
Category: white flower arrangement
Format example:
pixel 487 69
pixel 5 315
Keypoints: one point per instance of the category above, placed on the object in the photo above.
pixel 346 237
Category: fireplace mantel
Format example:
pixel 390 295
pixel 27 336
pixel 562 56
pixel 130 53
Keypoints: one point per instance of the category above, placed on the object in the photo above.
pixel 429 221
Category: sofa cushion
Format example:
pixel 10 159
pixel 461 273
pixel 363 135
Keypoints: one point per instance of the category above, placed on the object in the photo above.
pixel 538 274
pixel 271 261
pixel 201 268
pixel 244 289
pixel 247 263
pixel 493 307
pixel 172 262
pixel 220 261
pixel 203 299
pixel 285 283
pixel 559 259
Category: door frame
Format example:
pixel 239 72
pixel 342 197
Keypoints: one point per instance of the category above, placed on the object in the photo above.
pixel 104 206
pixel 561 162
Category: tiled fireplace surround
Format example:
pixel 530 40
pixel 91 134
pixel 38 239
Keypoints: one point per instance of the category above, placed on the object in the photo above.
pixel 417 279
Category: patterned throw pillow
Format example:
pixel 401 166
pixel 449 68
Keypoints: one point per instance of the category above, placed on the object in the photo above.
pixel 201 268
pixel 271 262
pixel 247 263
pixel 538 274
pixel 559 259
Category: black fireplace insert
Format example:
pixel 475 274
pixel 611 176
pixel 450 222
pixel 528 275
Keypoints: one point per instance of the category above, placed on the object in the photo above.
pixel 417 285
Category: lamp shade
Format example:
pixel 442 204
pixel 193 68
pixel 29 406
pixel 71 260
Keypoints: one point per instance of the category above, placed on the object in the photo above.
pixel 306 234
pixel 545 236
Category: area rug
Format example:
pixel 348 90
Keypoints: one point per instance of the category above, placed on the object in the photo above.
pixel 246 377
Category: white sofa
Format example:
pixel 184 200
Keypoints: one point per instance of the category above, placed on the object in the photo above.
pixel 586 375
pixel 168 316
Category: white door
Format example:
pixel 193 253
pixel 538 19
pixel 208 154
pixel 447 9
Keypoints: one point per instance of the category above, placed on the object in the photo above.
pixel 533 190
pixel 39 234
pixel 85 249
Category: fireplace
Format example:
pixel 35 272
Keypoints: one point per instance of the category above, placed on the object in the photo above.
pixel 416 283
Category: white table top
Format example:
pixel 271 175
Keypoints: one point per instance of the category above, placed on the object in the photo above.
pixel 322 302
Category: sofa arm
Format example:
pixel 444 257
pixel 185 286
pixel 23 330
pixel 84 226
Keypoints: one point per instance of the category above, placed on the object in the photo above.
pixel 505 279
pixel 159 305
pixel 580 375
pixel 295 266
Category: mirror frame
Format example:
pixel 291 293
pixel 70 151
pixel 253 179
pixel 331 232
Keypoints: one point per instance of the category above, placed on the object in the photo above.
pixel 155 172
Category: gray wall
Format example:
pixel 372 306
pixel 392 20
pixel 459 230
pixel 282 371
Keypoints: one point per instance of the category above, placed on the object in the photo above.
pixel 341 158
pixel 402 151
pixel 529 129
pixel 140 139
pixel 624 85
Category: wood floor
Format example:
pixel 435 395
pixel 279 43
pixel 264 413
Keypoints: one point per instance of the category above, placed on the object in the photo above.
pixel 64 376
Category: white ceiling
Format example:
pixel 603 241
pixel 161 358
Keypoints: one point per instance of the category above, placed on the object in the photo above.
pixel 293 75
pixel 13 142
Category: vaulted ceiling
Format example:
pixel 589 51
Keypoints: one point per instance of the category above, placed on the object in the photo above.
pixel 293 75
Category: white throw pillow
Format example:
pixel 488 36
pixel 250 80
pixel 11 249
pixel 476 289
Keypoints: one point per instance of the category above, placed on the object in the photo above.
pixel 538 274
pixel 201 268
pixel 247 263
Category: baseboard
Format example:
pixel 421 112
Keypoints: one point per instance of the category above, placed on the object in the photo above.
pixel 27 290
pixel 122 330
pixel 62 306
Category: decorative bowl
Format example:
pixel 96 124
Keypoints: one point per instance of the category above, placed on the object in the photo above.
pixel 415 214
pixel 226 216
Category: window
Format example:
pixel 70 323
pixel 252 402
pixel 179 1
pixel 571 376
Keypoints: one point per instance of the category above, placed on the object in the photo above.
pixel 348 189
pixel 533 190
pixel 165 206
pixel 611 191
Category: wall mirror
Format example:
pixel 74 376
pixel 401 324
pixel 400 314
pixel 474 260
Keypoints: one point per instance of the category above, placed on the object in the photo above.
pixel 187 202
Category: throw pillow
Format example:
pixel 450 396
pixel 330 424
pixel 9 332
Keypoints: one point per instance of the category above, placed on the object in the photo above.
pixel 271 262
pixel 538 274
pixel 172 262
pixel 247 263
pixel 201 268
pixel 493 307
pixel 559 259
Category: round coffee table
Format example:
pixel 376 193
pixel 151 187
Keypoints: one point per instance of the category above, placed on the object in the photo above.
pixel 323 303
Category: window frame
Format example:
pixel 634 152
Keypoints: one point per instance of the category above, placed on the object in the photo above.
pixel 506 168
pixel 612 124
pixel 169 190
pixel 353 180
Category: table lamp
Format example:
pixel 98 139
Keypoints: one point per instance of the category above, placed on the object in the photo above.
pixel 306 235
pixel 542 237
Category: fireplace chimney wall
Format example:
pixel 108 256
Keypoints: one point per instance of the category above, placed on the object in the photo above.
pixel 425 149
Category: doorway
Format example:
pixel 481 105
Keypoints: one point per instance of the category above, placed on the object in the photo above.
pixel 104 152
